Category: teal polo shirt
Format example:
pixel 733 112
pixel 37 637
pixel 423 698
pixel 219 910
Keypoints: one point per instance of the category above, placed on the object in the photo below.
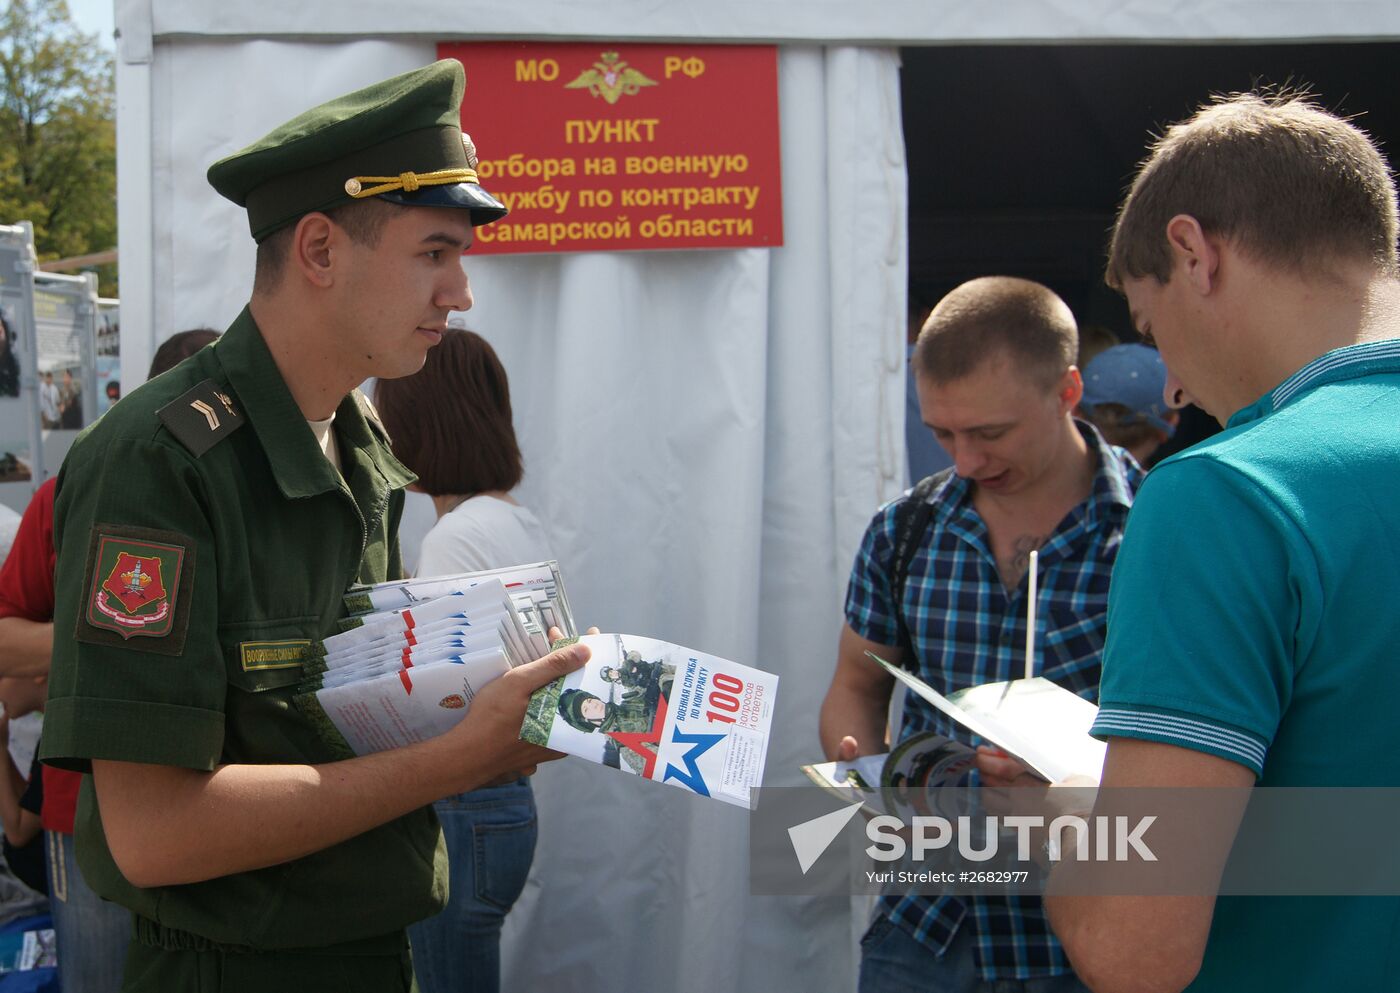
pixel 1252 616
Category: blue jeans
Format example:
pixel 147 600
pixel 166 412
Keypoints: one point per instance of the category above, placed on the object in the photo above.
pixel 893 961
pixel 490 843
pixel 91 933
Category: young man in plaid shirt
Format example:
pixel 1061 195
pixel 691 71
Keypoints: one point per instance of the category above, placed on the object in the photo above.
pixel 997 386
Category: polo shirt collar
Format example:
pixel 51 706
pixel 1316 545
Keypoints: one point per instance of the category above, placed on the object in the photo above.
pixel 298 464
pixel 1347 362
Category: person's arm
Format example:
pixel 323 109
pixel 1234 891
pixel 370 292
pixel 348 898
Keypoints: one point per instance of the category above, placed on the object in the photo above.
pixel 20 825
pixel 25 646
pixel 1152 944
pixel 27 591
pixel 854 715
pixel 243 817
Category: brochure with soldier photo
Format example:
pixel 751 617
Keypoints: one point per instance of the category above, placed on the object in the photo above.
pixel 661 712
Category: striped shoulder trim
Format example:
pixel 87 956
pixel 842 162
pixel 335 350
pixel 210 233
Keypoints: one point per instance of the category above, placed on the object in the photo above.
pixel 1321 366
pixel 1186 732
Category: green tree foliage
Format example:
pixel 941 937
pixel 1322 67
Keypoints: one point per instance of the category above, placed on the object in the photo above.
pixel 58 147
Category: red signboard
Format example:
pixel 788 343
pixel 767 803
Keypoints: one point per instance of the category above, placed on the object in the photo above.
pixel 599 147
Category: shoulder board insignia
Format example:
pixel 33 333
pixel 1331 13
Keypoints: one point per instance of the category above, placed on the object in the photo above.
pixel 371 414
pixel 201 417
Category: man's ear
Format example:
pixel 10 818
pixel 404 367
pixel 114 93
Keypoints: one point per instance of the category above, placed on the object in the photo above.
pixel 1195 254
pixel 1070 390
pixel 312 254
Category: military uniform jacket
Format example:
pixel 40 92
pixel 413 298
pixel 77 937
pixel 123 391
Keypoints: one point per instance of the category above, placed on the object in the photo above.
pixel 204 543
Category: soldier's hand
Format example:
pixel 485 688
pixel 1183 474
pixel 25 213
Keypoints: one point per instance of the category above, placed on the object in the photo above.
pixel 555 633
pixel 847 750
pixel 506 778
pixel 490 734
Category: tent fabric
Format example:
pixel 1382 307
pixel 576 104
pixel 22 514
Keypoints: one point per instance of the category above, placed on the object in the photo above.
pixel 706 434
pixel 890 22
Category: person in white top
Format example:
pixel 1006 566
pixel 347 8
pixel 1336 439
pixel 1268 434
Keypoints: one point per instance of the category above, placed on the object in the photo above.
pixel 451 425
pixel 484 531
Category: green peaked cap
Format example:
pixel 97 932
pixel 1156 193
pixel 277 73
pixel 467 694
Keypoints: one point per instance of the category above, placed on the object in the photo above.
pixel 378 141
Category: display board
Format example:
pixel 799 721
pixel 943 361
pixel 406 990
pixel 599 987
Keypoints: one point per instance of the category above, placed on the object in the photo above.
pixel 601 147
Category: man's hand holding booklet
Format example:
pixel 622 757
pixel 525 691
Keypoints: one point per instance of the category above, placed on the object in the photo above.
pixel 1034 720
pixel 414 655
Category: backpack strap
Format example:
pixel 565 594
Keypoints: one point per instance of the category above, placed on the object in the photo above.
pixel 911 520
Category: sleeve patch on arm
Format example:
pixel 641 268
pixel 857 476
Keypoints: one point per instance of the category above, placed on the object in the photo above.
pixel 137 585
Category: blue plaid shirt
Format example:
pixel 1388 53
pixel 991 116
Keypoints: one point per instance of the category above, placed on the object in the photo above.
pixel 968 629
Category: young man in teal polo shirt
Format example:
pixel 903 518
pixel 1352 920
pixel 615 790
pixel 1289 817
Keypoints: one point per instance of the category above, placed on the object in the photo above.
pixel 1252 632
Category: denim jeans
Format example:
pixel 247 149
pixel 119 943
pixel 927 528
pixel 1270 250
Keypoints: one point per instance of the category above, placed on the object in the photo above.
pixel 490 843
pixel 91 933
pixel 893 961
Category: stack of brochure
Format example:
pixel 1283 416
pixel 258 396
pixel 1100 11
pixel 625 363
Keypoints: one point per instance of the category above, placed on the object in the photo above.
pixel 414 654
pixel 536 590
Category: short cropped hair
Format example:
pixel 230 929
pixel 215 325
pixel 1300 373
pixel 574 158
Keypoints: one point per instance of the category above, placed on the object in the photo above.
pixel 450 422
pixel 178 347
pixel 1287 181
pixel 362 220
pixel 998 315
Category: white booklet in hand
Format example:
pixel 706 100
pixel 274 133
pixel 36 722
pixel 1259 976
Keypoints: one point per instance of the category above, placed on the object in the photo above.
pixel 402 674
pixel 1040 723
pixel 902 780
pixel 661 712
pixel 399 708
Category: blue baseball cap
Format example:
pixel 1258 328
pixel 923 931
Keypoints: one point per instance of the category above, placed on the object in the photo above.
pixel 1131 376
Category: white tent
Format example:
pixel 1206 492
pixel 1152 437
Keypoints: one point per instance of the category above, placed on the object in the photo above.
pixel 706 433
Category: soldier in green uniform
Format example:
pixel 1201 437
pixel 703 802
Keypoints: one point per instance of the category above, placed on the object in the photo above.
pixel 207 527
pixel 589 712
pixel 634 672
pixel 634 713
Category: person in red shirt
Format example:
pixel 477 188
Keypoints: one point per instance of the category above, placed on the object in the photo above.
pixel 91 933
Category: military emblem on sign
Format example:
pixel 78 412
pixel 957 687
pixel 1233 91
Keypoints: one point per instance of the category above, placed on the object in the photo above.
pixel 132 586
pixel 610 78
pixel 453 701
